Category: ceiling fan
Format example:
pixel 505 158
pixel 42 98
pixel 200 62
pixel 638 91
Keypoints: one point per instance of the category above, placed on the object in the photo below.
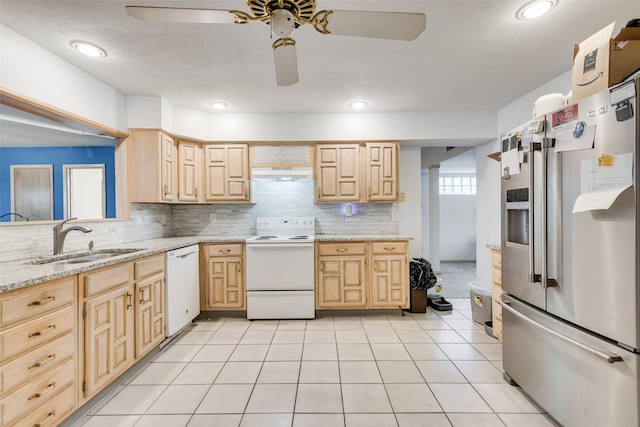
pixel 284 16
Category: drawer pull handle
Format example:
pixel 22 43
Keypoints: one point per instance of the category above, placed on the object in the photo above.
pixel 144 301
pixel 51 415
pixel 341 249
pixel 390 249
pixel 43 332
pixel 47 359
pixel 50 387
pixel 47 300
pixel 129 300
pixel 224 250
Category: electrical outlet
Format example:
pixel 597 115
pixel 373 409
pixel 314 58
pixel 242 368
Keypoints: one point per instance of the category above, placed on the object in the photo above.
pixel 394 216
pixel 212 217
pixel 163 219
pixel 402 197
pixel 138 219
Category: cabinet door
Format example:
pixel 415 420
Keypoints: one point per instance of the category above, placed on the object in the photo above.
pixel 226 172
pixel 152 167
pixel 389 282
pixel 382 171
pixel 149 309
pixel 338 172
pixel 189 171
pixel 108 337
pixel 225 284
pixel 169 168
pixel 341 282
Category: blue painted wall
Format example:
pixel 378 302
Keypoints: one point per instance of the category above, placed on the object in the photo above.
pixel 56 156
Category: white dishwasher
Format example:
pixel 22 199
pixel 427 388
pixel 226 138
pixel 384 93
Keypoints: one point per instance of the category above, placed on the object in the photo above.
pixel 182 281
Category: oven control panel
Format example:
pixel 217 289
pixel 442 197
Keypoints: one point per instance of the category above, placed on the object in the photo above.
pixel 286 225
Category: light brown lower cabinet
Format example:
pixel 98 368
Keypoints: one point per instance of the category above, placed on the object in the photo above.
pixel 149 304
pixel 389 275
pixel 496 292
pixel 361 275
pixel 107 326
pixel 56 353
pixel 38 347
pixel 123 319
pixel 222 275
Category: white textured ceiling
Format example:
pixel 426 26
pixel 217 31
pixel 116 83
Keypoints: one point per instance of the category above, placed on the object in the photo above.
pixel 474 55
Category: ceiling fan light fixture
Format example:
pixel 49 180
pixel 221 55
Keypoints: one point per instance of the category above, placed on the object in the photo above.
pixel 218 105
pixel 88 49
pixel 535 9
pixel 357 105
pixel 282 23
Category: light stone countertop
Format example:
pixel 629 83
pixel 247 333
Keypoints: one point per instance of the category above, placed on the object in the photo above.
pixel 494 247
pixel 360 238
pixel 23 273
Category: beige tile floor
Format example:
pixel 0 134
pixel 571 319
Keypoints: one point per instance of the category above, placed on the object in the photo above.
pixel 435 369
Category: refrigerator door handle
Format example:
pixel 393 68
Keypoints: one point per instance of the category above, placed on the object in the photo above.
pixel 533 277
pixel 607 357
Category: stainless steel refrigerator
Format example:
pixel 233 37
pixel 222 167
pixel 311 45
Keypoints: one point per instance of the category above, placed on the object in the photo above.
pixel 570 237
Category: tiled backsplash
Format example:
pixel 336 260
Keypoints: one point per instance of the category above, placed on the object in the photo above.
pixel 271 198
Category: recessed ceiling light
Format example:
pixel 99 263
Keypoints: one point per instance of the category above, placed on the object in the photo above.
pixel 357 105
pixel 536 9
pixel 88 49
pixel 218 105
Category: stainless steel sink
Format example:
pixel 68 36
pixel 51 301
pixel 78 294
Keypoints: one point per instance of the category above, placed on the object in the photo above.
pixel 82 257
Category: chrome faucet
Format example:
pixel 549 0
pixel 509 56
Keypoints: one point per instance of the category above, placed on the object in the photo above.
pixel 59 234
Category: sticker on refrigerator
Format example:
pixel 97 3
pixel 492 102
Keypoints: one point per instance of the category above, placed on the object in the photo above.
pixel 578 137
pixel 602 180
pixel 562 118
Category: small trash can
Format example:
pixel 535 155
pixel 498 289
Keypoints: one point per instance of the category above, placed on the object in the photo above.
pixel 480 303
pixel 418 300
pixel 421 278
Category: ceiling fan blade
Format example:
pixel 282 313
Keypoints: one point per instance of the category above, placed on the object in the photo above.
pixel 286 61
pixel 181 15
pixel 378 25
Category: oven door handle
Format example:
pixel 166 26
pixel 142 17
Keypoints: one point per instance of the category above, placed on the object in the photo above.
pixel 272 245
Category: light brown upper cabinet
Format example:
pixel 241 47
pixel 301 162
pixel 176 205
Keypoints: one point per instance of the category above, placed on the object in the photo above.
pixel 339 176
pixel 226 172
pixel 153 171
pixel 189 171
pixel 382 171
pixel 338 172
pixel 165 170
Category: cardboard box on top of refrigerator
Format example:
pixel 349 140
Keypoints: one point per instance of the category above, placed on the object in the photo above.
pixel 600 62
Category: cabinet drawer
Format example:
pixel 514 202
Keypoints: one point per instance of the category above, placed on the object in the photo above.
pixel 25 303
pixel 496 259
pixel 32 395
pixel 26 336
pixel 36 362
pixel 224 250
pixel 341 249
pixel 496 275
pixel 496 310
pixel 394 247
pixel 106 279
pixel 144 267
pixel 52 412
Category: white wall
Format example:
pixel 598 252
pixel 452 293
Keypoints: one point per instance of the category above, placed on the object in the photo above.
pixel 488 172
pixel 32 71
pixel 409 211
pixel 457 228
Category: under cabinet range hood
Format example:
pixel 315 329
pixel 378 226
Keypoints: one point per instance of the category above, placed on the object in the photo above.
pixel 297 173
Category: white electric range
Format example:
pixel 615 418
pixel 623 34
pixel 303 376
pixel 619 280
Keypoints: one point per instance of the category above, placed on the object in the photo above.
pixel 281 269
